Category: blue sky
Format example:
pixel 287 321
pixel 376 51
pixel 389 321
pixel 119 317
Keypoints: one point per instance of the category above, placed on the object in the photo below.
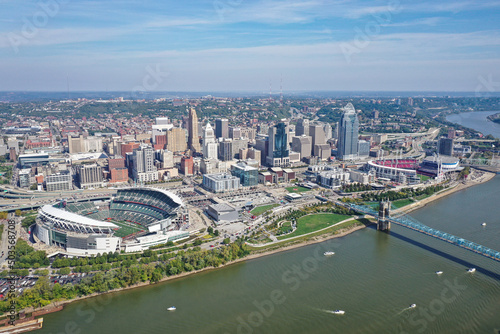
pixel 242 45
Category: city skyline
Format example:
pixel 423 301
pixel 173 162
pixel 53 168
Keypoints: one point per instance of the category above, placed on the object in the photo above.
pixel 240 46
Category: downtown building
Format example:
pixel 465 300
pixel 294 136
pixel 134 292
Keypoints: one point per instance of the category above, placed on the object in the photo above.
pixel 278 152
pixel 347 148
pixel 89 176
pixel 143 167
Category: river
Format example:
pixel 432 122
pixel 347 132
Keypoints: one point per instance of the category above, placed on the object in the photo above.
pixel 373 276
pixel 477 120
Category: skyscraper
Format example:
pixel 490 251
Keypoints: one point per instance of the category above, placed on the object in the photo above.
pixel 209 143
pixel 317 133
pixel 278 152
pixel 302 127
pixel 143 164
pixel 221 128
pixel 176 140
pixel 348 134
pixel 445 146
pixel 193 139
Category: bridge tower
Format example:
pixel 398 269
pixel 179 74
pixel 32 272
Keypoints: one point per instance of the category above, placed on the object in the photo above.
pixel 383 224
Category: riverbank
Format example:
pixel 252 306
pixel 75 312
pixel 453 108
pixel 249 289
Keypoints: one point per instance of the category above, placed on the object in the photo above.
pixel 56 306
pixel 472 181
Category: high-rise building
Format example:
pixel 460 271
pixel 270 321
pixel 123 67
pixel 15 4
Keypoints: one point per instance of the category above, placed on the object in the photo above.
pixel 92 144
pixel 119 175
pixel 328 131
pixel 167 159
pixel 226 150
pixel 187 165
pixel 234 132
pixel 278 152
pixel 239 144
pixel 193 138
pixel 128 148
pixel 302 127
pixel 363 148
pixel 254 154
pixel 209 143
pixel 445 146
pixel 221 128
pixel 144 169
pixel 347 147
pixel 59 181
pixel 176 140
pixel 76 144
pixel 317 133
pixel 303 145
pixel 89 176
pixel 116 162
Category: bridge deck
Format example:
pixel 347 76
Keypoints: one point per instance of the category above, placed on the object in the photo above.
pixel 415 225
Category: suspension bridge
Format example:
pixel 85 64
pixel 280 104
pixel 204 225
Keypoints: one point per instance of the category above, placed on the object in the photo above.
pixel 384 221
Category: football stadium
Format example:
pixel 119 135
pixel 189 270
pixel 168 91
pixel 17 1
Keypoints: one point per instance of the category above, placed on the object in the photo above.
pixel 133 220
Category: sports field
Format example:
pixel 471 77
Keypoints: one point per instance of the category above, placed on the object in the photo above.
pixel 126 228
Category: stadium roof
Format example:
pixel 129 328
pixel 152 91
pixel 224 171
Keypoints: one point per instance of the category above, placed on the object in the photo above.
pixel 75 218
pixel 173 196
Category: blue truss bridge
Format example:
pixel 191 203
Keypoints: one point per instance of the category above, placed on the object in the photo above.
pixel 415 225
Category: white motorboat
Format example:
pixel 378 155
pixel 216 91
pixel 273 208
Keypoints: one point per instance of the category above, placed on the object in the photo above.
pixel 328 253
pixel 483 224
pixel 338 312
pixel 413 305
pixel 171 308
pixel 439 272
pixel 471 270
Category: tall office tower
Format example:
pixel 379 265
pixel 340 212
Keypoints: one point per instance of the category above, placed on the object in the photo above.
pixel 176 140
pixel 278 152
pixel 234 132
pixel 128 148
pixel 89 176
pixel 328 131
pixel 221 128
pixel 254 154
pixel 302 127
pixel 92 144
pixel 239 144
pixel 317 134
pixel 143 164
pixel 167 159
pixel 226 150
pixel 445 146
pixel 193 139
pixel 76 144
pixel 347 147
pixel 209 143
pixel 187 165
pixel 336 131
pixel 160 129
pixel 303 145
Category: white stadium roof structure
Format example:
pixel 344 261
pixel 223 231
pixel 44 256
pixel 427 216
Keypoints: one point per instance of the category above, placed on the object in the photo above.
pixel 73 222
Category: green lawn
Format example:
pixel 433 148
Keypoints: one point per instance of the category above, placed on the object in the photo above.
pixel 421 197
pixel 402 202
pixel 261 209
pixel 126 229
pixel 286 227
pixel 297 189
pixel 315 222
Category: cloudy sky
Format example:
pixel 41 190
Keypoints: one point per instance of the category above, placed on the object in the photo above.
pixel 244 45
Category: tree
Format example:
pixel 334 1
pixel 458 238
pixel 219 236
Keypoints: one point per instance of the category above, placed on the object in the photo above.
pixel 216 233
pixel 210 230
pixel 227 241
pixel 19 213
